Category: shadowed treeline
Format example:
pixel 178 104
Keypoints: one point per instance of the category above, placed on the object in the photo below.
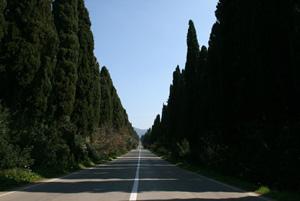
pixel 235 106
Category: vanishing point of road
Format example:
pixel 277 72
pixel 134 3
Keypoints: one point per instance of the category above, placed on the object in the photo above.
pixel 138 175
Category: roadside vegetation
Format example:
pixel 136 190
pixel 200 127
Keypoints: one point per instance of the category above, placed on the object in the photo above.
pixel 239 182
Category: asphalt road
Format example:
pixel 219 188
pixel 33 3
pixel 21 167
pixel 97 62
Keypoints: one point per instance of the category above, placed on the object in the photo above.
pixel 138 175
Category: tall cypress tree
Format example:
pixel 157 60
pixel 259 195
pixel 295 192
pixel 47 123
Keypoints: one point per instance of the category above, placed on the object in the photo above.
pixel 112 113
pixel 192 53
pixel 65 78
pixel 177 109
pixel 164 139
pixel 86 109
pixel 156 130
pixel 191 71
pixel 66 21
pixel 96 95
pixel 48 50
pixel 106 104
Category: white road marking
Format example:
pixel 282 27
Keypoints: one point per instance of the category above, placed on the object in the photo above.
pixel 134 191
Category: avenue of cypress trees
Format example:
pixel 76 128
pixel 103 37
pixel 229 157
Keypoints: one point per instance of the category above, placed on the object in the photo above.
pixel 50 83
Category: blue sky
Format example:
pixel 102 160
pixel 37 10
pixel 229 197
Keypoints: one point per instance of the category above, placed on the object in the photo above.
pixel 141 42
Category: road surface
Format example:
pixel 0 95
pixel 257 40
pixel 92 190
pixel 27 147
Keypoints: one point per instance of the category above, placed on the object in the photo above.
pixel 138 175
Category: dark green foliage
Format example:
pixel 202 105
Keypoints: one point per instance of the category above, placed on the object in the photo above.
pixel 176 110
pixel 106 103
pixel 10 154
pixel 86 110
pixel 2 20
pixel 28 56
pixel 146 139
pixel 66 21
pixel 156 130
pixel 241 96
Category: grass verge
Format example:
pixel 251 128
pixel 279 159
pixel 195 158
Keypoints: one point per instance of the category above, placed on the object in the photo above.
pixel 17 177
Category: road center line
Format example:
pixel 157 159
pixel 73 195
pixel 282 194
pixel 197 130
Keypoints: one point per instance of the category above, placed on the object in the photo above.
pixel 134 191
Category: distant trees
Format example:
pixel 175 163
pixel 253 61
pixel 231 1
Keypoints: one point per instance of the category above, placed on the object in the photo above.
pixel 50 88
pixel 236 103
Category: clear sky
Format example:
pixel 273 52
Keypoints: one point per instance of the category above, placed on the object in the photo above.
pixel 141 42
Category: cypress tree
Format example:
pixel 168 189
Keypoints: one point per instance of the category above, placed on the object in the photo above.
pixel 112 113
pixel 191 72
pixel 119 114
pixel 66 21
pixel 106 104
pixel 164 139
pixel 86 109
pixel 156 130
pixel 96 95
pixel 192 53
pixel 48 50
pixel 65 14
pixel 177 109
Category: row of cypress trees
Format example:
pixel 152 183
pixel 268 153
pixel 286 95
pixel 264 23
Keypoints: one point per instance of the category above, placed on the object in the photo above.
pixel 53 97
pixel 235 106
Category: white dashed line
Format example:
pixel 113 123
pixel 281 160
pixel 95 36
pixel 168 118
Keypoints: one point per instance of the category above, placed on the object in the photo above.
pixel 134 191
